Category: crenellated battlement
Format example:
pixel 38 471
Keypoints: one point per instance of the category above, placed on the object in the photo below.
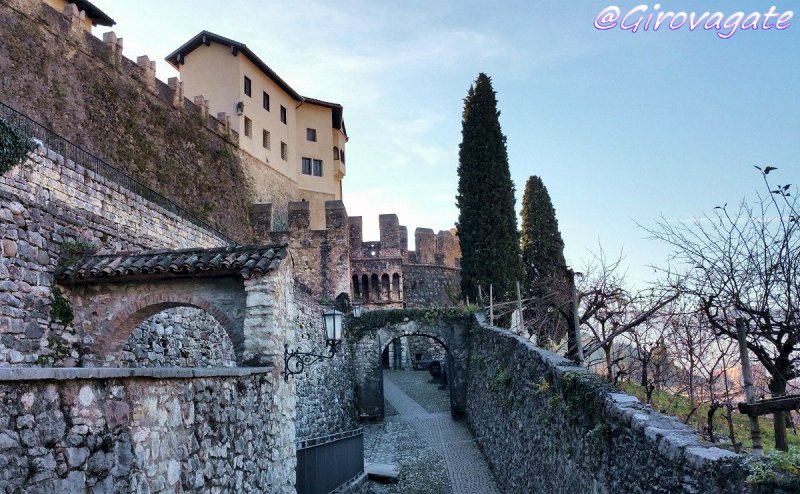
pixel 69 27
pixel 379 272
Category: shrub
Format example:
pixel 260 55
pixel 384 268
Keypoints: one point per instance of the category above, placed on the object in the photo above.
pixel 14 146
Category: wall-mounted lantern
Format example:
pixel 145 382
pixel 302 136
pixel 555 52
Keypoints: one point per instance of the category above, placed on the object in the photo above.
pixel 240 108
pixel 295 362
pixel 357 309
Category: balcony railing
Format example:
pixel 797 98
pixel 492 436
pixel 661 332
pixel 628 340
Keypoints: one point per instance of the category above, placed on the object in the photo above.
pixel 70 151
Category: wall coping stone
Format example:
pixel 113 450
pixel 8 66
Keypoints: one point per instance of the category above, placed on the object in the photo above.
pixel 75 373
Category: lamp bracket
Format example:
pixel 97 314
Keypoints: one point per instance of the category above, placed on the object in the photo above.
pixel 295 362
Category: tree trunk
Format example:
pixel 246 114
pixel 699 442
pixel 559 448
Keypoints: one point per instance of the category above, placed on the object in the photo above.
pixel 777 388
pixel 609 365
pixel 731 431
pixel 645 380
pixel 710 424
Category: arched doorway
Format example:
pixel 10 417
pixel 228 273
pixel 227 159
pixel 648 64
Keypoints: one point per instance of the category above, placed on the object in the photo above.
pixel 370 351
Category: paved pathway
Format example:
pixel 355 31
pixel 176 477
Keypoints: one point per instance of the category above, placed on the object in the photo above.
pixel 442 437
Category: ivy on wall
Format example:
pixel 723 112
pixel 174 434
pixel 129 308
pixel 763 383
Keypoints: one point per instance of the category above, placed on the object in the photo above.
pixel 14 146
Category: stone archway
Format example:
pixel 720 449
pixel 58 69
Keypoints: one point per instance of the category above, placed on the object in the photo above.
pixel 368 347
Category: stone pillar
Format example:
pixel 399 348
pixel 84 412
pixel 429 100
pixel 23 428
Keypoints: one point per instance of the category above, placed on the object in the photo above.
pixel 261 219
pixel 114 45
pixel 299 216
pixel 202 103
pixel 149 69
pixel 176 86
pixel 356 234
pixel 390 234
pixel 426 245
pixel 369 376
pixel 270 314
pixel 336 262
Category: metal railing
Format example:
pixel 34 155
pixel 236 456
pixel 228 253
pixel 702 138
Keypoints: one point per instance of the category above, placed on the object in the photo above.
pixel 324 464
pixel 70 151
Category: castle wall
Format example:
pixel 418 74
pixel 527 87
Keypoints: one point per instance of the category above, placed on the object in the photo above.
pixel 430 285
pixel 321 257
pixel 326 402
pixel 48 203
pixel 85 90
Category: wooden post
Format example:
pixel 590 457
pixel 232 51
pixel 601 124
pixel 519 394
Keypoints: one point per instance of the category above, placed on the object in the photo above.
pixel 491 306
pixel 576 323
pixel 747 376
pixel 519 308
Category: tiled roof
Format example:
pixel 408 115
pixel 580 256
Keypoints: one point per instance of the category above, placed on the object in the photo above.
pixel 97 16
pixel 248 261
pixel 177 57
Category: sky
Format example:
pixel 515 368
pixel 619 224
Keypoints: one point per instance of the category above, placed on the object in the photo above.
pixel 624 128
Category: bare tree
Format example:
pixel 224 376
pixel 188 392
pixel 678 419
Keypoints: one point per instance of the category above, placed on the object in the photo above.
pixel 744 263
pixel 608 308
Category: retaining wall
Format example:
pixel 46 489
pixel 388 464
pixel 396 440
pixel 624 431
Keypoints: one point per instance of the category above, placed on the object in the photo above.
pixel 49 202
pixel 548 426
pixel 144 430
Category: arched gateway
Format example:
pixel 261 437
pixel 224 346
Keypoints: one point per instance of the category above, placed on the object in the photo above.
pixel 376 329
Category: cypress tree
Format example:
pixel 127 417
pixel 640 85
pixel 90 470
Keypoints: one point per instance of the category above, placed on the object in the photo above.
pixel 487 222
pixel 545 267
pixel 542 246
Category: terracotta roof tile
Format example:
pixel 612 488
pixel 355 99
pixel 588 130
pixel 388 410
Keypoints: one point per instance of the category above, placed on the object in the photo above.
pixel 247 260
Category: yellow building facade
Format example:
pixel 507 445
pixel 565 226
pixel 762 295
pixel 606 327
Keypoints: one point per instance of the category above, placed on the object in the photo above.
pixel 302 139
pixel 92 16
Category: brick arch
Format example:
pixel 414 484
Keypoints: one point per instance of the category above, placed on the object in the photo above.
pixel 123 322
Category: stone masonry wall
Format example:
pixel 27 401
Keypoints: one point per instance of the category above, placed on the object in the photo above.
pixel 156 433
pixel 85 90
pixel 45 204
pixel 547 426
pixel 326 402
pixel 181 337
pixel 426 285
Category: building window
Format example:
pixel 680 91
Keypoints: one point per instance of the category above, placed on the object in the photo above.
pixel 284 151
pixel 335 152
pixel 265 139
pixel 317 168
pixel 341 155
pixel 248 86
pixel 248 127
pixel 265 101
pixel 305 166
pixel 283 114
pixel 311 135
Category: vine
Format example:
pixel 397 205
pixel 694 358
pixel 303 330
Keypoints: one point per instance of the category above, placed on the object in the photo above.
pixel 60 309
pixel 14 146
pixel 373 320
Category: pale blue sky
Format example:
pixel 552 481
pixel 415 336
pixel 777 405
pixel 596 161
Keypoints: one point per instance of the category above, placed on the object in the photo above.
pixel 621 127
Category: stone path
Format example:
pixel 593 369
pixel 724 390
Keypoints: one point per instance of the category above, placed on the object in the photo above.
pixel 445 447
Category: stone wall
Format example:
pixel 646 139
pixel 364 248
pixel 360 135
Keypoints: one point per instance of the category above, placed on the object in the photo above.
pixel 547 426
pixel 164 431
pixel 181 337
pixel 48 203
pixel 326 402
pixel 84 89
pixel 428 285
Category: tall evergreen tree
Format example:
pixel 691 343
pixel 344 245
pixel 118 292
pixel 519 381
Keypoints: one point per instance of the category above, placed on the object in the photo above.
pixel 545 267
pixel 542 246
pixel 487 222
